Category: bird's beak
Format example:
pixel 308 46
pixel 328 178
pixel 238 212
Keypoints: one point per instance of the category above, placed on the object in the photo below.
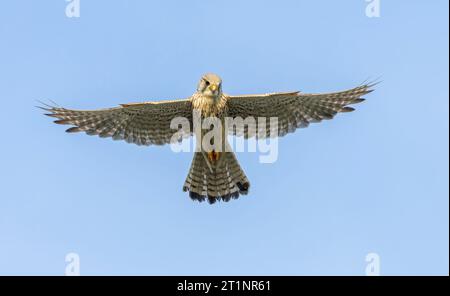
pixel 213 87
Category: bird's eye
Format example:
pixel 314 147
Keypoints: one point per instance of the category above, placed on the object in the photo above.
pixel 207 82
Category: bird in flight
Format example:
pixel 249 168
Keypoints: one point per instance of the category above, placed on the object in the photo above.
pixel 214 174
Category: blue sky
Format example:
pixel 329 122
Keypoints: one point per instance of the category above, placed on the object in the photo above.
pixel 375 180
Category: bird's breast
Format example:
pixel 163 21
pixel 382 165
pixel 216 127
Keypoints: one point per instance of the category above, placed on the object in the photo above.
pixel 209 106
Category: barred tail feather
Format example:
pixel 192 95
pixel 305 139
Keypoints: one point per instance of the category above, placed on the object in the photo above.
pixel 225 182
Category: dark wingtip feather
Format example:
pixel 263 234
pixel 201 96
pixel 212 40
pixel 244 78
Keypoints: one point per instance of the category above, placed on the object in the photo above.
pixel 347 109
pixel 368 86
pixel 62 121
pixel 51 114
pixel 74 129
pixel 358 100
pixel 48 108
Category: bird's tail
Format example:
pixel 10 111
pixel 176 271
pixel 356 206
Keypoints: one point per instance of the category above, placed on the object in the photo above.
pixel 223 181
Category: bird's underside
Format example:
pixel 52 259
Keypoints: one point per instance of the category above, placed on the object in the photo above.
pixel 213 176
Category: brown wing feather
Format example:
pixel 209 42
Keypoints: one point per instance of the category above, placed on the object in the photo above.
pixel 293 110
pixel 139 123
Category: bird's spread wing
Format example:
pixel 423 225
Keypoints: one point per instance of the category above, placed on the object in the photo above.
pixel 140 123
pixel 293 109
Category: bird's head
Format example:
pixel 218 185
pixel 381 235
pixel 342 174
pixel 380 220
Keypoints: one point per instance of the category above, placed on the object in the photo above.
pixel 210 85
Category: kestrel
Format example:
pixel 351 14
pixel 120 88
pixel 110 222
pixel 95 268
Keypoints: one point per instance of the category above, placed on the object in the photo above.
pixel 214 175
